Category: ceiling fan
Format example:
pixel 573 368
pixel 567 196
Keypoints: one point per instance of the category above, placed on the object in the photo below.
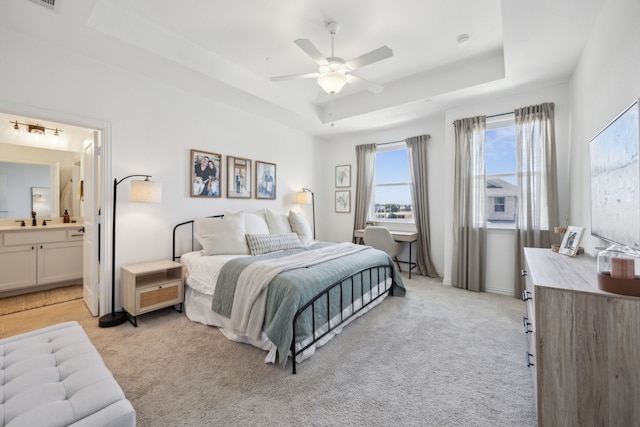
pixel 334 72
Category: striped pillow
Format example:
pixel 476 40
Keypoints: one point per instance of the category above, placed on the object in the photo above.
pixel 264 243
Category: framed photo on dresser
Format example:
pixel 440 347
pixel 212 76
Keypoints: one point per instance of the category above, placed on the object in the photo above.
pixel 571 240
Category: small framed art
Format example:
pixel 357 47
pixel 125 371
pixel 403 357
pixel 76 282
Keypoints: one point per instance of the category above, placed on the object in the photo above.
pixel 343 176
pixel 238 178
pixel 571 241
pixel 205 172
pixel 343 201
pixel 265 180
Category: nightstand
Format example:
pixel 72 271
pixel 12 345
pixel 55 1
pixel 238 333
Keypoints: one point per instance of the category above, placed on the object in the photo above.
pixel 150 286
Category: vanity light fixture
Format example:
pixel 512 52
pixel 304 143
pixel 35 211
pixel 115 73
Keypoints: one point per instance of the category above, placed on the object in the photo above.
pixel 33 129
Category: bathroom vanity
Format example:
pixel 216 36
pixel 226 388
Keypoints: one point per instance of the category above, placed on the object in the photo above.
pixel 39 257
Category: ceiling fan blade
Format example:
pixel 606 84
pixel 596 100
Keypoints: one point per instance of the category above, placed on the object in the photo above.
pixel 370 86
pixel 311 50
pixel 294 77
pixel 368 58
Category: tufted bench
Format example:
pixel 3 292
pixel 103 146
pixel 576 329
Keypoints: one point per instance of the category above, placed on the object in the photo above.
pixel 55 377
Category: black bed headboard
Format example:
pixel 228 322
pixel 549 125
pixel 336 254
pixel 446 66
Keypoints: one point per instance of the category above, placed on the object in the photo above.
pixel 192 234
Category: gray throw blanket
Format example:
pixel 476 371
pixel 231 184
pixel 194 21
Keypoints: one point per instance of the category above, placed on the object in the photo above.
pixel 292 288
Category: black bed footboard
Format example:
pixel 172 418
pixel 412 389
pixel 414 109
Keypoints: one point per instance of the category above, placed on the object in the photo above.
pixel 367 280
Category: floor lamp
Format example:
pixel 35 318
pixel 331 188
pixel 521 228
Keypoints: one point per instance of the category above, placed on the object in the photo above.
pixel 141 191
pixel 306 197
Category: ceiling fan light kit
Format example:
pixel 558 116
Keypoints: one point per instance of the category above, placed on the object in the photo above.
pixel 333 72
pixel 332 82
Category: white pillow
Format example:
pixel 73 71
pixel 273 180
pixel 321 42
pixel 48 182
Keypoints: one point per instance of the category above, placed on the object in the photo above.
pixel 222 236
pixel 256 222
pixel 301 227
pixel 265 243
pixel 278 223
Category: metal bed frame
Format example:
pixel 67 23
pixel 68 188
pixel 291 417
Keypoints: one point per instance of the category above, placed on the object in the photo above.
pixel 377 278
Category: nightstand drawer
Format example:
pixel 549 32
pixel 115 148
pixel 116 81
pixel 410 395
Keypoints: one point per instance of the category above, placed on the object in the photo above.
pixel 152 298
pixel 150 286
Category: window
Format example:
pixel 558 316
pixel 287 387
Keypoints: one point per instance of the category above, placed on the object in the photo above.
pixel 392 185
pixel 500 169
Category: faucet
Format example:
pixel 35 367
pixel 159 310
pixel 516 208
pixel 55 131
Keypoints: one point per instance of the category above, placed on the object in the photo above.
pixel 33 218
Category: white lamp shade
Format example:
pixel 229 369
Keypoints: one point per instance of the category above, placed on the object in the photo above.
pixel 332 82
pixel 303 198
pixel 146 191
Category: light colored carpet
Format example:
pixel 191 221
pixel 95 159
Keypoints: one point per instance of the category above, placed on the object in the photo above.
pixel 440 356
pixel 23 302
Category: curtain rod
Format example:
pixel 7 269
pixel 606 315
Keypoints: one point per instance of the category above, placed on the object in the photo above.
pixel 498 115
pixel 390 142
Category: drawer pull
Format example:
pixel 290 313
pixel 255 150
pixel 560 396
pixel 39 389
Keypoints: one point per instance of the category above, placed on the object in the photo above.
pixel 528 358
pixel 77 235
pixel 526 324
pixel 526 296
pixel 523 272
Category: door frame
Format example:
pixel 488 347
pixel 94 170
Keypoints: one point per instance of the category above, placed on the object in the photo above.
pixel 106 190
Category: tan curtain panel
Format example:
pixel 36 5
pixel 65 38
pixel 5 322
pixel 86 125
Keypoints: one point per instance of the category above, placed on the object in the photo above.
pixel 365 169
pixel 417 149
pixel 537 213
pixel 469 217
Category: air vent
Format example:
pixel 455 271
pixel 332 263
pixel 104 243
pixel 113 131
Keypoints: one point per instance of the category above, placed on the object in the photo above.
pixel 50 4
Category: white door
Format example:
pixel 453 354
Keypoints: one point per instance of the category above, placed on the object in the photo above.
pixel 90 195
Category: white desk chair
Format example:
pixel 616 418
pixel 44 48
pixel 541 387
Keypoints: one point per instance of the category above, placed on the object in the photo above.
pixel 380 238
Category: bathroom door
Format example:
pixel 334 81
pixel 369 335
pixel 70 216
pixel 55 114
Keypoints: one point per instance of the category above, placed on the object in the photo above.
pixel 91 197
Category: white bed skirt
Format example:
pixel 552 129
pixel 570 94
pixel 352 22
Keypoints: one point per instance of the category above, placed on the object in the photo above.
pixel 198 309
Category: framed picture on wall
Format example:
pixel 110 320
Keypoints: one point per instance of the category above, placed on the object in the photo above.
pixel 238 178
pixel 343 201
pixel 205 174
pixel 265 180
pixel 343 176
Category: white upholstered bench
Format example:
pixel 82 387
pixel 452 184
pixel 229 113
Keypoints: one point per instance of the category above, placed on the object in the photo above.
pixel 55 377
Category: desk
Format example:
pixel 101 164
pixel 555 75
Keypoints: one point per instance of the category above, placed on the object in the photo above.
pixel 398 236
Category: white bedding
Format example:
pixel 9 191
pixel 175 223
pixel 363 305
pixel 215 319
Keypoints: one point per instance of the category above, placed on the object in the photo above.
pixel 201 277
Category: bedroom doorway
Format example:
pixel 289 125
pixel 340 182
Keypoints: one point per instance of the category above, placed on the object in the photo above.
pixel 75 133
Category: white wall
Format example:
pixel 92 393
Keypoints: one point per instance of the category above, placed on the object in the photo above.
pixel 152 128
pixel 606 81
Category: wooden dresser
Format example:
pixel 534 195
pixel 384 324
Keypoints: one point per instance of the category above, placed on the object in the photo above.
pixel 584 344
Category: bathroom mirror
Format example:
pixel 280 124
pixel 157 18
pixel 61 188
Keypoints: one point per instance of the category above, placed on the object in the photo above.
pixel 18 184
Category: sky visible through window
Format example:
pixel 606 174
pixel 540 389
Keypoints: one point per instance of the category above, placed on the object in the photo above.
pixel 392 167
pixel 500 152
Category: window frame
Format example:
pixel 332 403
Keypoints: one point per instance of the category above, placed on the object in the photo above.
pixel 501 121
pixel 400 145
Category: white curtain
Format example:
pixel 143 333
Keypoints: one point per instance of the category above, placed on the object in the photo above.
pixel 417 149
pixel 469 219
pixel 537 213
pixel 365 174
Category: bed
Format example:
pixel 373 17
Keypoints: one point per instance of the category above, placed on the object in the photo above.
pixel 262 280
